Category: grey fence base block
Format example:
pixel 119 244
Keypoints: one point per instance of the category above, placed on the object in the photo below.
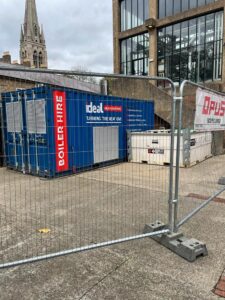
pixel 189 249
pixel 221 181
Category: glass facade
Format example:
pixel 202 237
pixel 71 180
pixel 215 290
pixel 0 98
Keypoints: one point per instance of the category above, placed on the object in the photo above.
pixel 133 13
pixel 192 49
pixel 168 8
pixel 135 54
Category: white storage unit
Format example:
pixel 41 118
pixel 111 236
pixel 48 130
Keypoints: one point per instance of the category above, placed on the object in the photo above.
pixel 153 147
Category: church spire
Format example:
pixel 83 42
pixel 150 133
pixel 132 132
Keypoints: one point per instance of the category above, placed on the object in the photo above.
pixel 30 19
pixel 32 42
pixel 21 34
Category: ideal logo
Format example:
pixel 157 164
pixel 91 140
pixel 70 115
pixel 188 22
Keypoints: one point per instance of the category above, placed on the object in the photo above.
pixel 94 109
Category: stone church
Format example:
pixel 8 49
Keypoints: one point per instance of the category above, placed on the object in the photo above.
pixel 33 51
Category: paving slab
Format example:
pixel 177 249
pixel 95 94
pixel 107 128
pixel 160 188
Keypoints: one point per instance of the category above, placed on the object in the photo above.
pixel 97 206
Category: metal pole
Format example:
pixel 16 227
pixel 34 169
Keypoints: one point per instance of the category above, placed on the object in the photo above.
pixel 14 132
pixel 35 134
pixel 21 135
pixel 194 212
pixel 81 249
pixel 27 134
pixel 89 74
pixel 177 176
pixel 171 199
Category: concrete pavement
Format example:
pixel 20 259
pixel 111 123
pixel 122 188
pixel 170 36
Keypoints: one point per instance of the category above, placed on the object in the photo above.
pixel 113 202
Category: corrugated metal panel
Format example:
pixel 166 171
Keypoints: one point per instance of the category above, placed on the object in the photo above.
pixel 96 126
pixel 106 144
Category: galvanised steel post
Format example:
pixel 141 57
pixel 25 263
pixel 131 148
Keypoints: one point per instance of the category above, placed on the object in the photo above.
pixel 177 174
pixel 171 199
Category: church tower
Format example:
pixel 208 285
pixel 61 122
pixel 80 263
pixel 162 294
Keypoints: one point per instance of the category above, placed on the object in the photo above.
pixel 33 51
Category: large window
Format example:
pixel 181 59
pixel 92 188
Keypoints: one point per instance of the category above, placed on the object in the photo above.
pixel 133 13
pixel 168 8
pixel 134 55
pixel 192 49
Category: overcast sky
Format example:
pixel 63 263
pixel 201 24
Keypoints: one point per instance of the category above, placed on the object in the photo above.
pixel 77 33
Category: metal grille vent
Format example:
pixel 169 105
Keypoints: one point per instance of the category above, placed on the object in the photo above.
pixel 10 117
pixel 31 128
pixel 36 118
pixel 14 117
pixel 18 116
pixel 40 116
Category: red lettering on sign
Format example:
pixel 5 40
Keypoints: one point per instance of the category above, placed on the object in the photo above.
pixel 112 108
pixel 205 110
pixel 61 135
pixel 222 109
pixel 212 107
pixel 217 109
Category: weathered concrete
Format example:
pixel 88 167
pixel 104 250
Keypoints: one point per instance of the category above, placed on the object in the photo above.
pixel 96 206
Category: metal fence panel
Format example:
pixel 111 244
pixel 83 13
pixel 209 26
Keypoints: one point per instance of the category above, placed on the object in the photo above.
pixel 197 185
pixel 68 185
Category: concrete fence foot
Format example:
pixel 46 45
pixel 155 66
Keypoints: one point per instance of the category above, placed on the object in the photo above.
pixel 189 249
pixel 221 181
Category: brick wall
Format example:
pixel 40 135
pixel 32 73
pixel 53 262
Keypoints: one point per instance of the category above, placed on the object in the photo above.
pixel 11 84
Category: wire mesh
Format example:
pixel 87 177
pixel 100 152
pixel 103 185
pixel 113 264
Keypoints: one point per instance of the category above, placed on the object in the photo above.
pixel 201 152
pixel 70 176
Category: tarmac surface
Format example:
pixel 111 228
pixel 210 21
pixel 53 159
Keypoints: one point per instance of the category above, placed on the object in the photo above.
pixel 99 206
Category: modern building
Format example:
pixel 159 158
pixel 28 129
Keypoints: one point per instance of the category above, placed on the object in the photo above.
pixel 179 39
pixel 33 51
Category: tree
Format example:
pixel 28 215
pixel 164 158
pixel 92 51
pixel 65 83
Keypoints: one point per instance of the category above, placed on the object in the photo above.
pixel 85 78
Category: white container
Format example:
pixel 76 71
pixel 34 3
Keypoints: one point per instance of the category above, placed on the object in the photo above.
pixel 153 147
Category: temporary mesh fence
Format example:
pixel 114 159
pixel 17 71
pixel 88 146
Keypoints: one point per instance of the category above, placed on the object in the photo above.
pixel 201 151
pixel 77 170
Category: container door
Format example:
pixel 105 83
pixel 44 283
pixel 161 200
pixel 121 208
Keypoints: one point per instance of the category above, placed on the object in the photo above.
pixel 36 134
pixel 106 144
pixel 41 136
pixel 15 147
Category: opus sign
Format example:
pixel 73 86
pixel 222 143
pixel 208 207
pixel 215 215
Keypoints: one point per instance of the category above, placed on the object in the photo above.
pixel 210 111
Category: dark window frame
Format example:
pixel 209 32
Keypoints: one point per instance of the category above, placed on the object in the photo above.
pixel 127 67
pixel 188 2
pixel 204 57
pixel 123 17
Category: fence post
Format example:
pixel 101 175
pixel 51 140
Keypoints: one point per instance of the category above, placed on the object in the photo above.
pixel 171 199
pixel 177 172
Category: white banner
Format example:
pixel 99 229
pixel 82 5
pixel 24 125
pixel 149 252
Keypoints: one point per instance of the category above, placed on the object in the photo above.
pixel 210 111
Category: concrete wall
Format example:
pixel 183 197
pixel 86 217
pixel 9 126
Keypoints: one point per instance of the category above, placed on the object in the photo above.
pixel 144 89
